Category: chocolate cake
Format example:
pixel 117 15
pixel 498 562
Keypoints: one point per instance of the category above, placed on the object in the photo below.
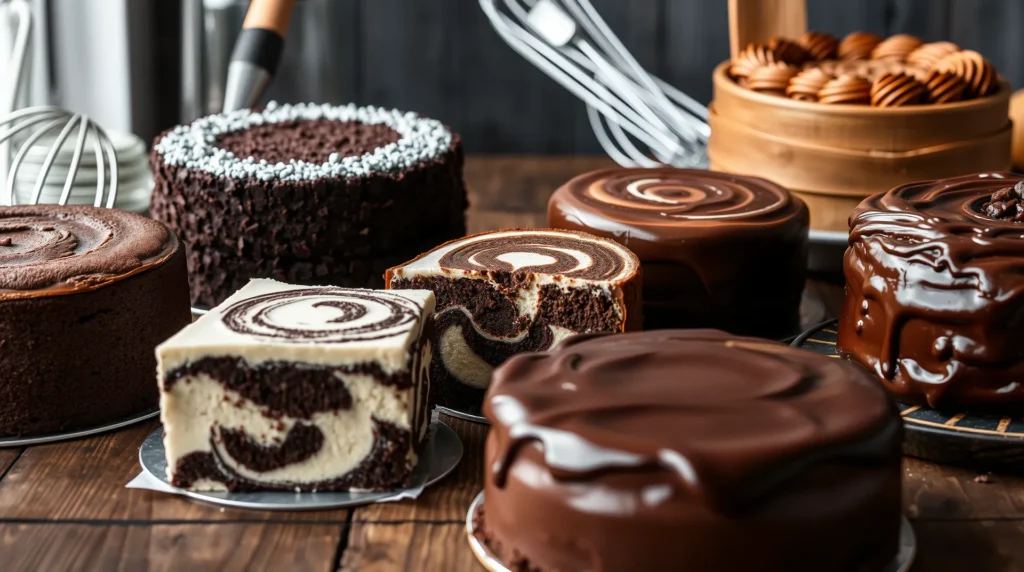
pixel 718 250
pixel 934 292
pixel 513 291
pixel 298 388
pixel 308 194
pixel 689 450
pixel 85 295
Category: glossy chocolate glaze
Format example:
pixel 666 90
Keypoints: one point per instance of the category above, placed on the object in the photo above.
pixel 935 294
pixel 690 450
pixel 706 240
pixel 48 250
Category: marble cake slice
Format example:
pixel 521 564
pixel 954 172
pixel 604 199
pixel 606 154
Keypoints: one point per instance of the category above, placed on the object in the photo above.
pixel 507 292
pixel 299 388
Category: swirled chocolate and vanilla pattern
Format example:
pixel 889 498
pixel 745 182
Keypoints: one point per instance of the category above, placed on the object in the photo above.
pixel 291 387
pixel 49 250
pixel 689 450
pixel 934 292
pixel 718 250
pixel 511 291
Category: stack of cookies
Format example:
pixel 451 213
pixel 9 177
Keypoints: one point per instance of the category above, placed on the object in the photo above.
pixel 864 69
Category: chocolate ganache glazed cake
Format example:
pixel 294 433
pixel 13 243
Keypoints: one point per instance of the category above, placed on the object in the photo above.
pixel 513 291
pixel 935 291
pixel 308 194
pixel 718 250
pixel 299 388
pixel 85 295
pixel 689 450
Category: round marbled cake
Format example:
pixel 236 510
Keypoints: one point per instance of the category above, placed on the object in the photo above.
pixel 935 292
pixel 511 291
pixel 86 294
pixel 306 194
pixel 689 450
pixel 718 250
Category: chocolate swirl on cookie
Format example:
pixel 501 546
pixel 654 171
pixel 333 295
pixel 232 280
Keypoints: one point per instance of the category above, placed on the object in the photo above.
pixel 323 315
pixel 730 418
pixel 50 249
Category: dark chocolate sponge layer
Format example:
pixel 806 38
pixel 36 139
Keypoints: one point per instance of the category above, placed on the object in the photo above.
pixel 82 360
pixel 336 231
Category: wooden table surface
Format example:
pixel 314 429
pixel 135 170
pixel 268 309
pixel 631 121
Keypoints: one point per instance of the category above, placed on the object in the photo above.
pixel 64 506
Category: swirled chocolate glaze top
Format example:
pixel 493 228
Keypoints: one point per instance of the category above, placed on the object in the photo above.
pixel 730 417
pixel 672 204
pixel 50 250
pixel 927 251
pixel 568 255
pixel 320 325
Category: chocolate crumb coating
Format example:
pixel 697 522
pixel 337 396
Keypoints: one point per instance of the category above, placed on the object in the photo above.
pixel 717 250
pixel 329 230
pixel 935 291
pixel 689 450
pixel 86 294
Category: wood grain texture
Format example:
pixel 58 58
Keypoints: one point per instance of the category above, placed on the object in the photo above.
pixel 942 493
pixel 228 548
pixel 84 481
pixel 7 458
pixel 448 502
pixel 408 547
pixel 982 546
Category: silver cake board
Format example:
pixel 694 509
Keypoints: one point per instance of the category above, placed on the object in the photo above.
pixel 902 562
pixel 812 311
pixel 441 454
pixel 6 442
pixel 977 440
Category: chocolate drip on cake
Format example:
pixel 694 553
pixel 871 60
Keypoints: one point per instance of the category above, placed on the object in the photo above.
pixel 934 293
pixel 307 194
pixel 507 292
pixel 689 449
pixel 76 283
pixel 706 241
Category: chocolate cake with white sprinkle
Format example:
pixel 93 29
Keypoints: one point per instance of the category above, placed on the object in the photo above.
pixel 308 194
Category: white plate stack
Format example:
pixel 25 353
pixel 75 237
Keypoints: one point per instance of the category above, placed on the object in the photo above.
pixel 134 180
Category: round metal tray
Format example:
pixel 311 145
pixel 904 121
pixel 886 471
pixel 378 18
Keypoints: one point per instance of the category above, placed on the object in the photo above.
pixel 441 454
pixel 77 433
pixel 979 440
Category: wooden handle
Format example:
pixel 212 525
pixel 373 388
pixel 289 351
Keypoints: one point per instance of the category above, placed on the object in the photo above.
pixel 273 15
pixel 759 20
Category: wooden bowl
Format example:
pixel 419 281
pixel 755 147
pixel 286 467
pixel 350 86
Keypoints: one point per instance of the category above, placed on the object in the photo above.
pixel 835 155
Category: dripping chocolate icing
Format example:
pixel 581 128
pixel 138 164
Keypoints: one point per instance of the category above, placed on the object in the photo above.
pixel 667 448
pixel 934 294
pixel 706 241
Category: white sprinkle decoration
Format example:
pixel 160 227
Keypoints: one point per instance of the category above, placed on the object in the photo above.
pixel 194 145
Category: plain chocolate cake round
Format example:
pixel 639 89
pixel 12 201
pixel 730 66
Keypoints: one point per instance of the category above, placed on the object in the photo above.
pixel 86 294
pixel 935 291
pixel 718 250
pixel 689 450
pixel 306 194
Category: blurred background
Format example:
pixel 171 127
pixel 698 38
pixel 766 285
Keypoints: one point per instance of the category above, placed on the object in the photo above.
pixel 145 65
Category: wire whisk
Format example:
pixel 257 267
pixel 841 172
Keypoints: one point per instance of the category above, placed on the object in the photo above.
pixel 569 41
pixel 26 129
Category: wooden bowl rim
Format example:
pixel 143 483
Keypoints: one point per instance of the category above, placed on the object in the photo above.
pixel 722 80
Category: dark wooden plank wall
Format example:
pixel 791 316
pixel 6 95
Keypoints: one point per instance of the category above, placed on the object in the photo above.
pixel 441 57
